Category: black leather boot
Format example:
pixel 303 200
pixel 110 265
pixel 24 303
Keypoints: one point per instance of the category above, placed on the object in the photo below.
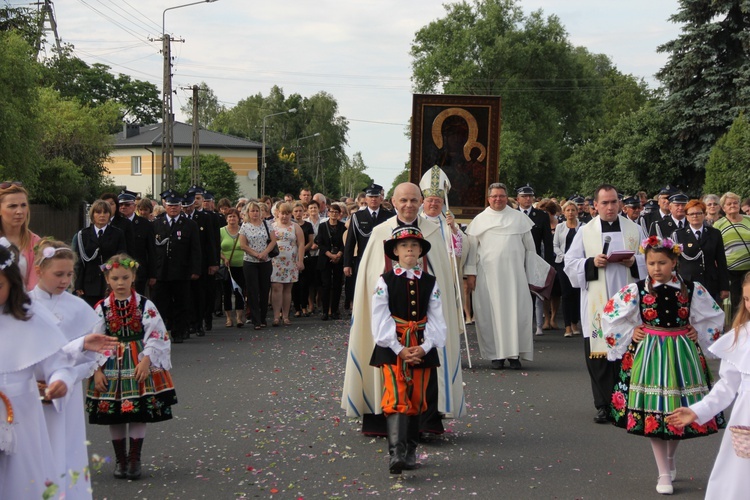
pixel 121 458
pixel 412 440
pixel 134 458
pixel 397 429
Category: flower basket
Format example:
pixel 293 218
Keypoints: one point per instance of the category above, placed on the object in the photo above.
pixel 741 440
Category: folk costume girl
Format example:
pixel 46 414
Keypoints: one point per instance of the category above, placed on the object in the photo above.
pixel 134 387
pixel 30 345
pixel 75 318
pixel 407 328
pixel 654 326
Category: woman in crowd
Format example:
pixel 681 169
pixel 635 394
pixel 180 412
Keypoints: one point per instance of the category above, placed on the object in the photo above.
pixel 256 240
pixel 735 232
pixel 286 265
pixel 15 214
pixel 145 209
pixel 552 305
pixel 300 290
pixel 713 208
pixel 232 259
pixel 95 245
pixel 313 283
pixel 330 261
pixel 571 297
pixel 703 258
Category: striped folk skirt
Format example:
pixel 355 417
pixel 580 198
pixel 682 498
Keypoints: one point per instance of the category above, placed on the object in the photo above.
pixel 657 375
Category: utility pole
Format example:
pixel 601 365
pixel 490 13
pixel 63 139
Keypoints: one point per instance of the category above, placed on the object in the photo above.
pixel 46 16
pixel 196 171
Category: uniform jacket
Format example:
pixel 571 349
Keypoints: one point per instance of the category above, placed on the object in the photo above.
pixel 360 228
pixel 542 234
pixel 667 226
pixel 123 224
pixel 710 268
pixel 178 249
pixel 144 249
pixel 209 237
pixel 89 276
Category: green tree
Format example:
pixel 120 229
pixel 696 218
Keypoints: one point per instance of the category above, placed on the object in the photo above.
pixel 554 95
pixel 23 21
pixel 19 109
pixel 216 176
pixel 635 154
pixel 208 106
pixel 707 78
pixel 353 176
pixel 726 169
pixel 403 176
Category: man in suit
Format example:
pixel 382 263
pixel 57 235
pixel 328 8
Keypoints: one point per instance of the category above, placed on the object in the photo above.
pixel 541 232
pixel 215 300
pixel 703 258
pixel 178 263
pixel 360 228
pixel 201 290
pixel 143 248
pixel 676 218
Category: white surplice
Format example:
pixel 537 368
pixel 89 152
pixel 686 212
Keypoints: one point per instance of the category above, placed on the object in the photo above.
pixel 502 303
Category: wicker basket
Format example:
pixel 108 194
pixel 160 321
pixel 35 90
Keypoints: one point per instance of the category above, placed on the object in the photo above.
pixel 741 440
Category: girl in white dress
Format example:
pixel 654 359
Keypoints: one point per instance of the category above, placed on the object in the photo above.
pixel 76 320
pixel 29 342
pixel 730 477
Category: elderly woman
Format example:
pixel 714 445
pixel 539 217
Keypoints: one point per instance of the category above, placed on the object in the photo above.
pixel 571 297
pixel 257 239
pixel 713 209
pixel 94 246
pixel 702 258
pixel 735 232
pixel 14 226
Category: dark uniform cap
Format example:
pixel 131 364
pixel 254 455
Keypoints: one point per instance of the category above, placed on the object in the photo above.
pixel 668 190
pixel 373 190
pixel 196 190
pixel 576 198
pixel 527 189
pixel 679 198
pixel 208 195
pixel 127 196
pixel 632 201
pixel 169 197
pixel 651 205
pixel 188 199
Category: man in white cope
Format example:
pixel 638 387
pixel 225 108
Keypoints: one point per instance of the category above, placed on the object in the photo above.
pixel 363 387
pixel 495 266
pixel 435 186
pixel 590 265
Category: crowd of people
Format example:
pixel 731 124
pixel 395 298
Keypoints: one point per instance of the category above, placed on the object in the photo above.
pixel 646 282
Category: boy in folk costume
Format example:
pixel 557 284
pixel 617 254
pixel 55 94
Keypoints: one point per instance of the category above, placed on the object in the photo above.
pixel 407 327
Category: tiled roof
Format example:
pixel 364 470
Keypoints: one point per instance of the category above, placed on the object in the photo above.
pixel 150 135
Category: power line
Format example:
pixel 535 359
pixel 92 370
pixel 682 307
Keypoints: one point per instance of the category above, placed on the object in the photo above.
pixel 122 27
pixel 128 17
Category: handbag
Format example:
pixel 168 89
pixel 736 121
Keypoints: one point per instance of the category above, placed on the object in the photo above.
pixel 275 250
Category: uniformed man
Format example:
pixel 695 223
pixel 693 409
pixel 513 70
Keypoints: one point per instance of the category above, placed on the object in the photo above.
pixel 143 249
pixel 541 231
pixel 632 208
pixel 178 263
pixel 118 221
pixel 676 218
pixel 583 213
pixel 663 201
pixel 209 206
pixel 202 289
pixel 361 226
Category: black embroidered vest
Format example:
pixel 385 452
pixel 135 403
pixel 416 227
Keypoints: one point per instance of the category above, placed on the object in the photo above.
pixel 666 307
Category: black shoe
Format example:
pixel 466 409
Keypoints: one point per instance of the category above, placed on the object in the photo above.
pixel 336 316
pixel 498 364
pixel 601 416
pixel 515 364
pixel 200 331
pixel 209 326
pixel 412 440
pixel 177 338
pixel 324 317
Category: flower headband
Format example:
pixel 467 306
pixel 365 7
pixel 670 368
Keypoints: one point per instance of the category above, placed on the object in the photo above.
pixel 11 258
pixel 658 243
pixel 50 252
pixel 127 263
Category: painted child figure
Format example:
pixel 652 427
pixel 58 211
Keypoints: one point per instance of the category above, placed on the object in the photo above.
pixel 30 346
pixel 730 477
pixel 408 328
pixel 134 387
pixel 67 428
pixel 656 326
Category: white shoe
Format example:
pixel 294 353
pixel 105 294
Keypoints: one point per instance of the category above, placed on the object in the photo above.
pixel 664 489
pixel 539 332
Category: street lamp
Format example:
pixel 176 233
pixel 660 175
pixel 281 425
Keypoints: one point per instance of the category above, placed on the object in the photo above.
pixel 263 152
pixel 167 117
pixel 296 151
pixel 318 169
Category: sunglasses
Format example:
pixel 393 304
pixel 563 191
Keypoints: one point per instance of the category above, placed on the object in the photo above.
pixel 7 184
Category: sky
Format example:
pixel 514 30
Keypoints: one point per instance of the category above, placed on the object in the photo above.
pixel 356 50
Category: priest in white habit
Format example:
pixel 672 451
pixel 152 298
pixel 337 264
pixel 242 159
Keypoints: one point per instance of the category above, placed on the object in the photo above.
pixel 363 387
pixel 591 266
pixel 500 243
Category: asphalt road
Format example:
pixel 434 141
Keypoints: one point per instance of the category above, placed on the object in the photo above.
pixel 259 417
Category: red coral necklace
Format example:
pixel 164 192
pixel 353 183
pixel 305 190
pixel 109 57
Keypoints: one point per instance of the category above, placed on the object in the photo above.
pixel 127 316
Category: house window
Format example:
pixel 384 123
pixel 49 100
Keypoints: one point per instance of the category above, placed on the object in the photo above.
pixel 177 162
pixel 135 165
